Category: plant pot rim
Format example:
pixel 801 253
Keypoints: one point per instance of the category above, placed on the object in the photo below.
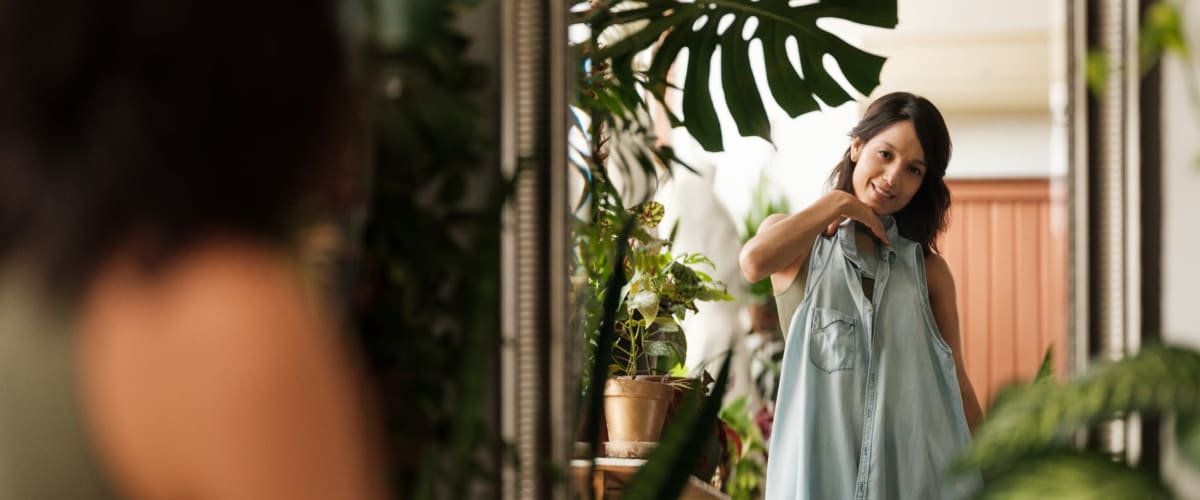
pixel 635 388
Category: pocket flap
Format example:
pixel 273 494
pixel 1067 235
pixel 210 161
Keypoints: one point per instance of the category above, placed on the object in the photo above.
pixel 823 317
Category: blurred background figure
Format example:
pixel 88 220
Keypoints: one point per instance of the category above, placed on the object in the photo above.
pixel 156 338
pixel 706 227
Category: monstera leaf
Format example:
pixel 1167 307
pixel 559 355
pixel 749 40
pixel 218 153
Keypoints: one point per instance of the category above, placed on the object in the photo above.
pixel 702 26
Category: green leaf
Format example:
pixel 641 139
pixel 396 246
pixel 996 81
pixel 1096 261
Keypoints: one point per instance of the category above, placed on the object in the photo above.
pixel 667 324
pixel 666 472
pixel 401 25
pixel 697 258
pixel 677 341
pixel 606 337
pixel 678 370
pixel 714 295
pixel 1158 379
pixel 699 115
pixel 680 25
pixel 684 275
pixel 762 290
pixel 650 213
pixel 658 348
pixel 1161 31
pixel 1097 68
pixel 1187 433
pixel 1046 371
pixel 644 37
pixel 1074 475
pixel 645 302
pixel 740 89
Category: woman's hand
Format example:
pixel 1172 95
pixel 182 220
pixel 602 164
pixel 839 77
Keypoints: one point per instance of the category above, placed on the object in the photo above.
pixel 784 242
pixel 851 208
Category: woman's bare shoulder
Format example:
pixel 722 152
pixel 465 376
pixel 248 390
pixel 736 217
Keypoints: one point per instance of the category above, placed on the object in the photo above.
pixel 938 275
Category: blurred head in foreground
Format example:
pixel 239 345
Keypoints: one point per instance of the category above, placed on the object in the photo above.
pixel 155 159
pixel 152 124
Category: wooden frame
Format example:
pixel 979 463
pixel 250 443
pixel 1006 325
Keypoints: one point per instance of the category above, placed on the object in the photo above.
pixel 538 362
pixel 537 372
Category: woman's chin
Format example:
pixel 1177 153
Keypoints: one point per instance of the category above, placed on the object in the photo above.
pixel 879 209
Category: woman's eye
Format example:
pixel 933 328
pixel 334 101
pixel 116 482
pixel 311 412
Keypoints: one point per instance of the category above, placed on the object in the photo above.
pixel 887 155
pixel 914 170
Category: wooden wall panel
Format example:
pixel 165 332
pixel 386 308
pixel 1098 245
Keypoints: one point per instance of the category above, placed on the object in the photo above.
pixel 977 318
pixel 1008 260
pixel 1027 309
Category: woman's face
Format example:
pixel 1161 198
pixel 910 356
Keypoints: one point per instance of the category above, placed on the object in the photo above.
pixel 888 168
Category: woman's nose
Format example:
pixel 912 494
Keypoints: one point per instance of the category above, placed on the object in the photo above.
pixel 891 174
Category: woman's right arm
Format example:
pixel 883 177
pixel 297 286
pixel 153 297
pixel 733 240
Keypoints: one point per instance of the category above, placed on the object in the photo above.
pixel 783 242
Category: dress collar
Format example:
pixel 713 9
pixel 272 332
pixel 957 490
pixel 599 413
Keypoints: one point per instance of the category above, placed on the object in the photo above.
pixel 849 247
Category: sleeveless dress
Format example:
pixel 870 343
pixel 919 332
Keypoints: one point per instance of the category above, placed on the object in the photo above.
pixel 869 404
pixel 44 448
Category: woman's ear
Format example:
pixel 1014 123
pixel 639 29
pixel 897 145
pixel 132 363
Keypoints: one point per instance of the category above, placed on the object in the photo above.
pixel 855 148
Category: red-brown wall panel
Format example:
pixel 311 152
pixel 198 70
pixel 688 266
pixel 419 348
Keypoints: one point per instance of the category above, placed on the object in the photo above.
pixel 1010 269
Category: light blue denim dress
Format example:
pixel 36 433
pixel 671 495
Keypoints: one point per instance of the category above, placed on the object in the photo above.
pixel 869 404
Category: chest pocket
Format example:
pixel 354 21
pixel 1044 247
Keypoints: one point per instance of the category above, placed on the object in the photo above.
pixel 831 346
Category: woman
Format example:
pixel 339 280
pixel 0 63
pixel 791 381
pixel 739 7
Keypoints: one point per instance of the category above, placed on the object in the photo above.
pixel 874 400
pixel 155 339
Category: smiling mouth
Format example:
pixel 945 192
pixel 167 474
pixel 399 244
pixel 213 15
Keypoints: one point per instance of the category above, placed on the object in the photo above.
pixel 883 194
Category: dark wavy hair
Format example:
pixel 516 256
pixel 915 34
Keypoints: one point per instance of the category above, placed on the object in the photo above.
pixel 925 216
pixel 164 121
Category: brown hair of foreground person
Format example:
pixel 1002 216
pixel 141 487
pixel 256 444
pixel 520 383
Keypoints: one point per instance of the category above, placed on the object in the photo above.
pixel 155 157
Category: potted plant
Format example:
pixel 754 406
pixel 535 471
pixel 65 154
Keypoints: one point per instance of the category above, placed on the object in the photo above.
pixel 763 317
pixel 649 349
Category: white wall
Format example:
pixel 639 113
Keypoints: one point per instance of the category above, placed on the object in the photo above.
pixel 972 16
pixel 1181 201
pixel 1181 231
pixel 1000 145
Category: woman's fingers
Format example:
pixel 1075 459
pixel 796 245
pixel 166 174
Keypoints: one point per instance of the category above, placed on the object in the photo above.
pixel 859 212
pixel 868 218
pixel 833 226
pixel 876 226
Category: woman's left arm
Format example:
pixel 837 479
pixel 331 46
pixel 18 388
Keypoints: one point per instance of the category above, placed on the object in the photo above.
pixel 945 312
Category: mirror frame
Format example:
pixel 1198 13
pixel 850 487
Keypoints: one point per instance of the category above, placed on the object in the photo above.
pixel 539 360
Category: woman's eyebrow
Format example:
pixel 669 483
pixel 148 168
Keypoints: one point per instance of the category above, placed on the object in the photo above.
pixel 893 146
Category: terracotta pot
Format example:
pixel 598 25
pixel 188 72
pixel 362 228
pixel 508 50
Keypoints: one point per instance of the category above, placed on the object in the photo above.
pixel 634 410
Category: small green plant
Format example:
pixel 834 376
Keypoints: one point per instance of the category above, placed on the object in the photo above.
pixel 761 206
pixel 749 462
pixel 661 290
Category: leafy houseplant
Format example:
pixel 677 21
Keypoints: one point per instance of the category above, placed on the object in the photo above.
pixel 748 463
pixel 762 205
pixel 649 344
pixel 1023 448
pixel 661 291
